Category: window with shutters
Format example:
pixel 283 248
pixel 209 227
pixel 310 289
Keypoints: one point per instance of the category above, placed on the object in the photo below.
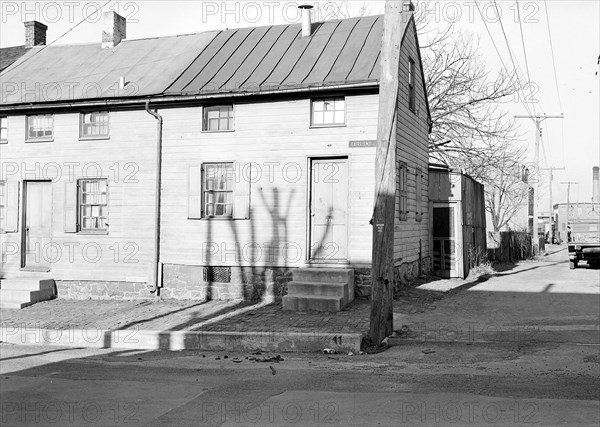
pixel 2 205
pixel 40 127
pixel 93 125
pixel 93 205
pixel 218 118
pixel 419 185
pixel 3 130
pixel 219 190
pixel 403 190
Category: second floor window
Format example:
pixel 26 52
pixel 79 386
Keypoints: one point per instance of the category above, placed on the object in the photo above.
pixel 93 125
pixel 3 130
pixel 218 118
pixel 2 205
pixel 40 127
pixel 328 111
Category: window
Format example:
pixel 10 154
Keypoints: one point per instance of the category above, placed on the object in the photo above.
pixel 93 204
pixel 419 184
pixel 40 127
pixel 218 119
pixel 411 85
pixel 217 190
pixel 3 130
pixel 328 111
pixel 2 205
pixel 93 125
pixel 403 190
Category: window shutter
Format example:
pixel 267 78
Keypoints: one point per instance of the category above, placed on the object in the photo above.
pixel 241 191
pixel 71 207
pixel 11 224
pixel 419 184
pixel 194 191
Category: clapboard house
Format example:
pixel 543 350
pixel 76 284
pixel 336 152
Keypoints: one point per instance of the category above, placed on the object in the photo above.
pixel 221 164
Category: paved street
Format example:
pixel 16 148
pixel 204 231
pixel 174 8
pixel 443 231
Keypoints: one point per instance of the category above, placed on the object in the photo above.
pixel 517 348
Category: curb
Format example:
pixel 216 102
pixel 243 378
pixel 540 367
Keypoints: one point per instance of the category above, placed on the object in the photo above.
pixel 136 339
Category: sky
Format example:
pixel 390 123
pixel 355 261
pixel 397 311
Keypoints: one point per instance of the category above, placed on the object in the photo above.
pixel 569 30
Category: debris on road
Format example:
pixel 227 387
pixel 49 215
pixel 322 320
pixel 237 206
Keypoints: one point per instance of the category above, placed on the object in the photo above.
pixel 428 351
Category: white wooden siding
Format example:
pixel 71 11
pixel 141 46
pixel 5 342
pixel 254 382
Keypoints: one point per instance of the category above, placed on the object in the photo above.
pixel 412 142
pixel 276 136
pixel 129 153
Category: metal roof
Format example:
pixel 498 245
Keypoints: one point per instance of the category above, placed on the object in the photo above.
pixel 58 73
pixel 277 57
pixel 8 55
pixel 235 61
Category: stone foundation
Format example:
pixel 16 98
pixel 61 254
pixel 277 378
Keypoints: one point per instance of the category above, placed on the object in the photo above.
pixel 84 289
pixel 404 274
pixel 250 284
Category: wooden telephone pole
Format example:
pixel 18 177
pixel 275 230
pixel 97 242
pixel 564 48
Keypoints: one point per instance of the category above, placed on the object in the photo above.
pixel 382 282
pixel 538 130
pixel 550 179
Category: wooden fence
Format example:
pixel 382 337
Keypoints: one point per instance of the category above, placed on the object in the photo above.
pixel 512 246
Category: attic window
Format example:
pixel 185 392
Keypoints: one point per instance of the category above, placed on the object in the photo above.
pixel 218 118
pixel 411 85
pixel 40 127
pixel 3 130
pixel 328 111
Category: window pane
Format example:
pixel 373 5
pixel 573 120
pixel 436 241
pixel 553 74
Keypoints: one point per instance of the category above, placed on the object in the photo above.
pixel 328 117
pixel 317 105
pixel 339 117
pixel 317 118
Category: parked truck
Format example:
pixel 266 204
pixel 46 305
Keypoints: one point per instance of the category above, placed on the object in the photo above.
pixel 584 240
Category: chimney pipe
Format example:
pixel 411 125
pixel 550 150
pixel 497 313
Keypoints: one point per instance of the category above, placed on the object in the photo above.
pixel 408 6
pixel 35 33
pixel 114 29
pixel 596 188
pixel 306 20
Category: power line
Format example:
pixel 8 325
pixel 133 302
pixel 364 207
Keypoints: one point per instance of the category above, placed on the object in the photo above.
pixel 500 56
pixel 552 51
pixel 525 52
pixel 510 53
pixel 64 34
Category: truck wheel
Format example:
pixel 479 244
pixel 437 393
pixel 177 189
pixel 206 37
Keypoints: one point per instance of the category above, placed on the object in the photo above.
pixel 572 265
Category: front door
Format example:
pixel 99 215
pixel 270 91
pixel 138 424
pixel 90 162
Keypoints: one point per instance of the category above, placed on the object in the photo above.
pixel 444 241
pixel 329 210
pixel 37 225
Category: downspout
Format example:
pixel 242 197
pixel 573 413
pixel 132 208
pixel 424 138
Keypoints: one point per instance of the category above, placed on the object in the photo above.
pixel 157 269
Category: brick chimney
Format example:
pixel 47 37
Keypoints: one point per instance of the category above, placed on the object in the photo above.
pixel 35 33
pixel 596 184
pixel 114 29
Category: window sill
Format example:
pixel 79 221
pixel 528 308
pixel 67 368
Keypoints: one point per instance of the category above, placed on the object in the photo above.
pixel 39 140
pixel 3 141
pixel 94 138
pixel 343 125
pixel 93 233
pixel 218 219
pixel 219 131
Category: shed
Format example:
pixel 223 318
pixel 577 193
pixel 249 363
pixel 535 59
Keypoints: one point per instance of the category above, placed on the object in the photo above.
pixel 457 216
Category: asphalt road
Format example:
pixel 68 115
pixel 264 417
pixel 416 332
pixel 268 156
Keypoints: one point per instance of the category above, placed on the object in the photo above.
pixel 517 380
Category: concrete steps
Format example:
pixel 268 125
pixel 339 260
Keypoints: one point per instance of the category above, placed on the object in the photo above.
pixel 22 292
pixel 319 289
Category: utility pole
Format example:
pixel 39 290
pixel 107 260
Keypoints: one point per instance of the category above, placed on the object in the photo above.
pixel 538 119
pixel 382 282
pixel 568 184
pixel 551 177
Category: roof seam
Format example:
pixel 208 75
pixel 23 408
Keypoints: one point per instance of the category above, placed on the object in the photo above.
pixel 246 57
pixel 281 58
pixel 322 51
pixel 362 47
pixel 341 50
pixel 266 54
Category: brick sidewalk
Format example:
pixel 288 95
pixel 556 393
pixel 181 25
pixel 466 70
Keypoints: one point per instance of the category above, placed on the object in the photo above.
pixel 173 315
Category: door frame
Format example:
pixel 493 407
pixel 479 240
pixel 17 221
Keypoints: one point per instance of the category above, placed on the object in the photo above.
pixel 458 238
pixel 24 225
pixel 308 259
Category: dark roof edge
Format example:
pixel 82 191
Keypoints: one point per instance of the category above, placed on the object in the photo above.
pixel 161 99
